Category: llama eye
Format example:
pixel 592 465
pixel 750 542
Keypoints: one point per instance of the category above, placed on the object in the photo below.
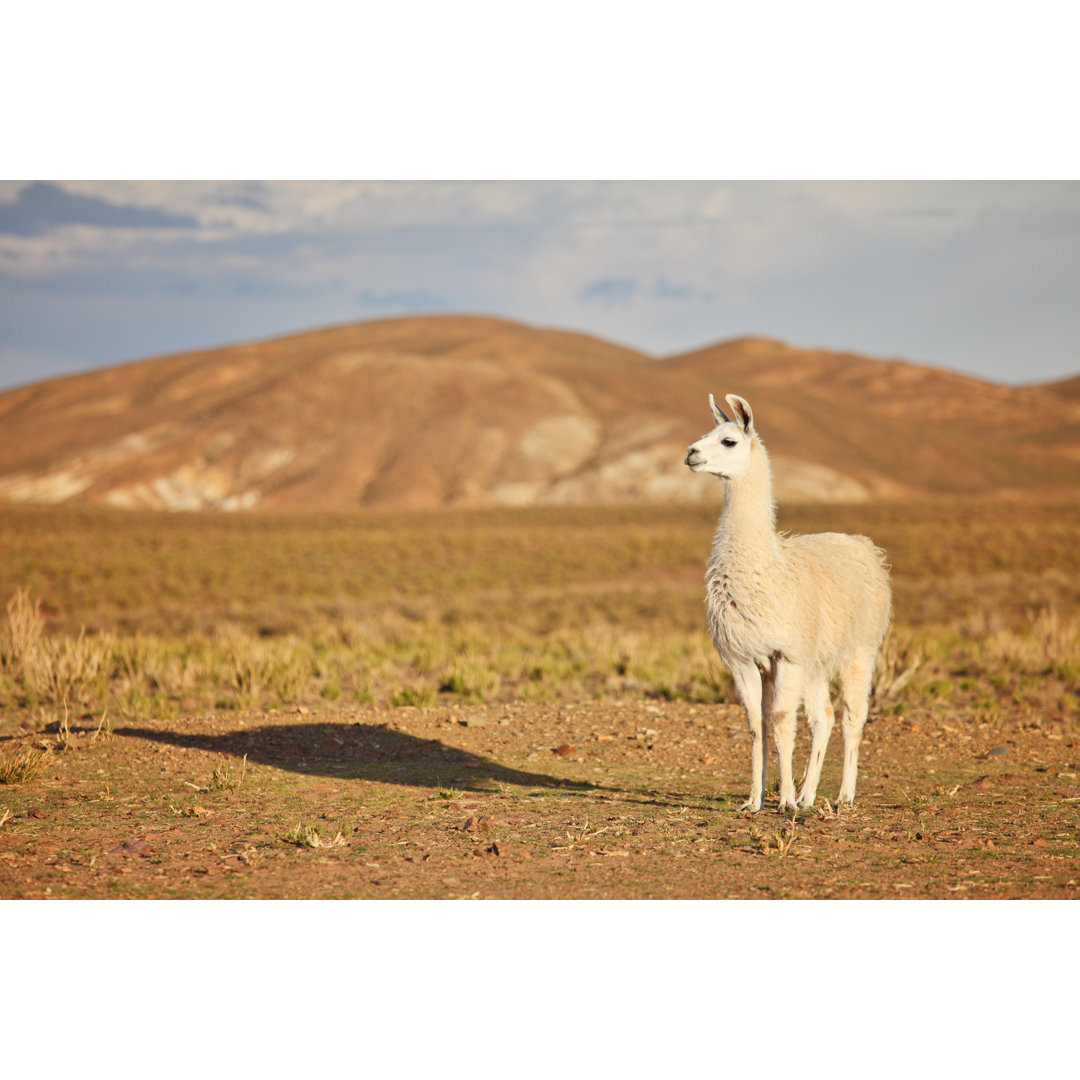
pixel 729 442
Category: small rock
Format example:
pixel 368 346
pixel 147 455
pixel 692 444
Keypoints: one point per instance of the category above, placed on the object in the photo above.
pixel 565 750
pixel 997 751
pixel 475 721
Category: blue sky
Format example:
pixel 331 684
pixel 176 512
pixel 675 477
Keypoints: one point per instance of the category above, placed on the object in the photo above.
pixel 981 277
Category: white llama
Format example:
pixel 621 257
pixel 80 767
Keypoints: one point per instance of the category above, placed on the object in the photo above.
pixel 787 613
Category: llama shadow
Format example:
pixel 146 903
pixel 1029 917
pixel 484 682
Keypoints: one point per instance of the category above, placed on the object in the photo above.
pixel 357 751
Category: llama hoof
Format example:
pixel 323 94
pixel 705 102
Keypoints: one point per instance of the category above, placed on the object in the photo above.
pixel 752 805
pixel 806 802
pixel 787 804
pixel 844 799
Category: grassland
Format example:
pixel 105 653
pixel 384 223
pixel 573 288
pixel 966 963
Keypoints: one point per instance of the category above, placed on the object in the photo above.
pixel 150 613
pixel 199 663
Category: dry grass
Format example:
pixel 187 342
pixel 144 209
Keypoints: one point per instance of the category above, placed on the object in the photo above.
pixel 225 779
pixel 26 626
pixel 51 669
pixel 145 615
pixel 21 766
pixel 1059 640
pixel 309 836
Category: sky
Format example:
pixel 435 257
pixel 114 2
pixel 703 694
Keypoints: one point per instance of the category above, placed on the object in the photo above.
pixel 981 277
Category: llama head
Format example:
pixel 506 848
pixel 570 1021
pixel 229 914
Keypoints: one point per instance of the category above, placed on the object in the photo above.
pixel 725 451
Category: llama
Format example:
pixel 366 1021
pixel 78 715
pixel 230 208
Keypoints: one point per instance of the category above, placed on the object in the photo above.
pixel 787 613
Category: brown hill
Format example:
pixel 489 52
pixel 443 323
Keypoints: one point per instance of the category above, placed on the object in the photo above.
pixel 1067 388
pixel 898 427
pixel 438 410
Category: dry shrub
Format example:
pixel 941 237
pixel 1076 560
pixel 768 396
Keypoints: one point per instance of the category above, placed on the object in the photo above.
pixel 21 766
pixel 309 836
pixel 1059 640
pixel 52 669
pixel 255 670
pixel 1007 651
pixel 471 678
pixel 899 660
pixel 417 697
pixel 69 669
pixel 26 627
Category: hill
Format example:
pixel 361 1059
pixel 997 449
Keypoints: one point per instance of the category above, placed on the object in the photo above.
pixel 1067 388
pixel 466 410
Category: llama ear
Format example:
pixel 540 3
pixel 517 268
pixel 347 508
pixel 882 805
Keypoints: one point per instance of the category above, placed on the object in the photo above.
pixel 718 413
pixel 743 413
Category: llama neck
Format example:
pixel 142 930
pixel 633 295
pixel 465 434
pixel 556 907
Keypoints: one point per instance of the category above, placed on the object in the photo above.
pixel 749 515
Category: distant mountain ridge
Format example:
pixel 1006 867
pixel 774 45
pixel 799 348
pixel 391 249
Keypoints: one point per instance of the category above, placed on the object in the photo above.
pixel 429 411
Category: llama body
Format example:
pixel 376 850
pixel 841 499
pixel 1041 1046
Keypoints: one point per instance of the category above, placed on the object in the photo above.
pixel 788 613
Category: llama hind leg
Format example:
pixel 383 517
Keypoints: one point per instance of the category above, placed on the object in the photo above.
pixel 855 684
pixel 756 697
pixel 820 716
pixel 786 696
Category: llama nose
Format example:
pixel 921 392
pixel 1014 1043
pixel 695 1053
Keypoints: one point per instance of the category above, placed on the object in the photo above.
pixel 689 454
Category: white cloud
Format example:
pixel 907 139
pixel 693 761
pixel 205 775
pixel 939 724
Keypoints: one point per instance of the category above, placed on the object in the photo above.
pixel 691 261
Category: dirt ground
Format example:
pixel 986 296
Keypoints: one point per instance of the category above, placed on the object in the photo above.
pixel 598 800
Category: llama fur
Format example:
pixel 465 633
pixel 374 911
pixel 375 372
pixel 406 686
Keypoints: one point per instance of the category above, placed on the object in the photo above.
pixel 788 613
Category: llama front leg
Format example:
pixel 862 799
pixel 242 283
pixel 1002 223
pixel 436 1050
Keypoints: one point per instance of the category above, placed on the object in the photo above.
pixel 820 716
pixel 748 685
pixel 786 696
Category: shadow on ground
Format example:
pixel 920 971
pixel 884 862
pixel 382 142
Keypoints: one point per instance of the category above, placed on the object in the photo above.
pixel 357 751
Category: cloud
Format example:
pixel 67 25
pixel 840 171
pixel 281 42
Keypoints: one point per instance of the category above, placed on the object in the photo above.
pixel 932 271
pixel 247 201
pixel 663 289
pixel 623 291
pixel 611 292
pixel 41 207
